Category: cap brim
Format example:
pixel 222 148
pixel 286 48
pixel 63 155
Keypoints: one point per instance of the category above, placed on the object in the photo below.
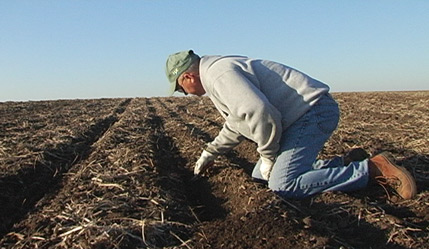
pixel 172 88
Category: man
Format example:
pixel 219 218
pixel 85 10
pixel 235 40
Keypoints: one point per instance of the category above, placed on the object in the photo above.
pixel 289 115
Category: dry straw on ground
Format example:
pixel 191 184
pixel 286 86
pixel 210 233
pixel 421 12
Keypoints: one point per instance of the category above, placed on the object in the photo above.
pixel 117 173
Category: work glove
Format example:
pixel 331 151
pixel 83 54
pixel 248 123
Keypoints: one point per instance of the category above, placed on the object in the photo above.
pixel 206 160
pixel 266 167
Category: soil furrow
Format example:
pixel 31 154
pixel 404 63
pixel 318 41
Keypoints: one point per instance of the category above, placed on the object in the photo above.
pixel 120 195
pixel 169 165
pixel 199 194
pixel 44 178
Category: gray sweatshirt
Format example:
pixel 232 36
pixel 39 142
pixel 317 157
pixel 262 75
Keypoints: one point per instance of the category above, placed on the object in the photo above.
pixel 259 99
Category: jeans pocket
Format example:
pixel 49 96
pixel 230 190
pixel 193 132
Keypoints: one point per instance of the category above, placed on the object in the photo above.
pixel 327 118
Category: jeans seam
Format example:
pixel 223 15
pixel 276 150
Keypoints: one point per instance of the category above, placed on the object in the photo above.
pixel 304 125
pixel 323 183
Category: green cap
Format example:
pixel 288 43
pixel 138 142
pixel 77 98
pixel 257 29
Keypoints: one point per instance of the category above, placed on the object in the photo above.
pixel 177 64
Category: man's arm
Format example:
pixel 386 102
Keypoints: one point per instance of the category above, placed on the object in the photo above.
pixel 250 112
pixel 225 140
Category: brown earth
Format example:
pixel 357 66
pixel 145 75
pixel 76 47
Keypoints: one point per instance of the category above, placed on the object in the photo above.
pixel 117 173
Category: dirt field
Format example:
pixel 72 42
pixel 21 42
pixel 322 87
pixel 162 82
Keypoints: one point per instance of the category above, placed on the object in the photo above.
pixel 118 173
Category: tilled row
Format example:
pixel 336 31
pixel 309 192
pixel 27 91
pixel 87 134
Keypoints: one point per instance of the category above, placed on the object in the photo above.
pixel 41 154
pixel 28 129
pixel 117 197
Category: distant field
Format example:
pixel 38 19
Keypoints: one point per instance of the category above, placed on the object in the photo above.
pixel 117 173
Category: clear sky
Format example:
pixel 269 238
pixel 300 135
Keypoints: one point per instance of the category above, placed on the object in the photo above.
pixel 52 49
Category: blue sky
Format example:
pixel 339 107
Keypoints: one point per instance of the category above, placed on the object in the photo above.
pixel 94 49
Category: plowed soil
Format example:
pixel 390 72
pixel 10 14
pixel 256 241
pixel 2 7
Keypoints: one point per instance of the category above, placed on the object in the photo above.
pixel 118 173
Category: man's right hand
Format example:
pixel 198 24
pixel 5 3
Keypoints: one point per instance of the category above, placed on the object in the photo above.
pixel 266 167
pixel 206 160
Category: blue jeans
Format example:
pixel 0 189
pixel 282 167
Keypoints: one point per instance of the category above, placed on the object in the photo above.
pixel 296 172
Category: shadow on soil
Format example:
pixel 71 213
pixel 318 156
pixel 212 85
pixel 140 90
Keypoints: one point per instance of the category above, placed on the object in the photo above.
pixel 205 204
pixel 20 193
pixel 190 199
pixel 419 166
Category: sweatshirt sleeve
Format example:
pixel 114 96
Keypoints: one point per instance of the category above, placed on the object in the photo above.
pixel 250 113
pixel 225 140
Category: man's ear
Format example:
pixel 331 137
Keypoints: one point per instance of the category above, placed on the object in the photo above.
pixel 189 76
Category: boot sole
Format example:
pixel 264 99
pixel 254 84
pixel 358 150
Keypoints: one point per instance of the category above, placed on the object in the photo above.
pixel 389 158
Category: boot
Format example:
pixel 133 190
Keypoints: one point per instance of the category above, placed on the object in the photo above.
pixel 385 172
pixel 355 155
